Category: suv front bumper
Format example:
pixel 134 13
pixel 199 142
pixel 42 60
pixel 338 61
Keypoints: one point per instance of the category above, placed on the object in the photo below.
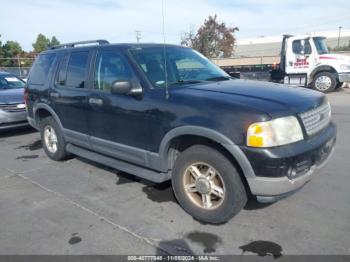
pixel 281 171
pixel 10 120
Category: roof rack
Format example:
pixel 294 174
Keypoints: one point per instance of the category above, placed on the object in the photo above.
pixel 73 44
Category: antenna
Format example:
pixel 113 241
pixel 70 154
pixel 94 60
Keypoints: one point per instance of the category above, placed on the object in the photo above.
pixel 164 52
pixel 138 36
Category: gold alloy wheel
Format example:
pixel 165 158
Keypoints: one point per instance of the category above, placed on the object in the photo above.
pixel 204 186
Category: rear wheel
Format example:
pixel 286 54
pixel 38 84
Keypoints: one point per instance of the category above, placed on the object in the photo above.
pixel 324 82
pixel 52 139
pixel 207 185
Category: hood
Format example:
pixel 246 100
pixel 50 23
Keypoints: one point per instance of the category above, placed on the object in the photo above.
pixel 11 96
pixel 267 97
pixel 344 58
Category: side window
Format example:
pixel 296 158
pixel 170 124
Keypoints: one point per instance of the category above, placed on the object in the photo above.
pixel 76 69
pixel 110 66
pixel 62 71
pixel 40 69
pixel 298 47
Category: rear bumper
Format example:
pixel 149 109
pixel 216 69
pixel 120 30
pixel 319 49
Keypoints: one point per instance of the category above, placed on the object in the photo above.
pixel 344 77
pixel 12 120
pixel 295 165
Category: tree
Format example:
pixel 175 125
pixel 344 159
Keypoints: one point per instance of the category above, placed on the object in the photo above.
pixel 54 41
pixel 213 38
pixel 11 49
pixel 41 43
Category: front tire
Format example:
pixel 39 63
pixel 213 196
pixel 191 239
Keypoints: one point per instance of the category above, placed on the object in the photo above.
pixel 52 139
pixel 324 82
pixel 207 185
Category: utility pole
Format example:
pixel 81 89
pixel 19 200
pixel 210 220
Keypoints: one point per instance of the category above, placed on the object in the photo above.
pixel 138 36
pixel 340 27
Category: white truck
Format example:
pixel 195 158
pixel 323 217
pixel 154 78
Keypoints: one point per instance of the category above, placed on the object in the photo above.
pixel 304 61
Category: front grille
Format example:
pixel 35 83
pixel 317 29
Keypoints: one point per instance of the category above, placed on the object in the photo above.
pixel 316 119
pixel 12 108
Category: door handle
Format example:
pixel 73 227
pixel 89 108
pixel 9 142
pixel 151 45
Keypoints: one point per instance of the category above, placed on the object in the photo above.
pixel 54 94
pixel 96 101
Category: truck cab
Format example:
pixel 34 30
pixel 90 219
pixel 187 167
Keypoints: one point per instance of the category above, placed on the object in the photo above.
pixel 306 61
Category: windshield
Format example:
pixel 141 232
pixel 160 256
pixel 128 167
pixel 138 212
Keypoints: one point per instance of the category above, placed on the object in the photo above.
pixel 183 66
pixel 321 45
pixel 10 82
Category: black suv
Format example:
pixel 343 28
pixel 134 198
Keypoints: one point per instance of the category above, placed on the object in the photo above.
pixel 165 112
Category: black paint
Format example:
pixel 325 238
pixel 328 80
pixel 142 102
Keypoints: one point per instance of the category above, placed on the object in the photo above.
pixel 160 192
pixel 263 248
pixel 208 240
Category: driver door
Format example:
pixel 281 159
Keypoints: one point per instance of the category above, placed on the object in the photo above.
pixel 299 56
pixel 118 123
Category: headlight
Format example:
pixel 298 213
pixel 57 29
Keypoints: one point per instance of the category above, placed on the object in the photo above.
pixel 277 132
pixel 345 67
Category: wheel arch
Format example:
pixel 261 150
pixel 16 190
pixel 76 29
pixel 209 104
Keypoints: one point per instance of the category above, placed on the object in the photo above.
pixel 43 110
pixel 202 134
pixel 322 68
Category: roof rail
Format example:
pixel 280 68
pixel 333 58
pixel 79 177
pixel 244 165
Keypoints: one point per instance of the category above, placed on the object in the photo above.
pixel 73 44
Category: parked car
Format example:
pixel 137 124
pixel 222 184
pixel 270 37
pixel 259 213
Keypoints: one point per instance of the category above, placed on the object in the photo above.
pixel 165 112
pixel 12 107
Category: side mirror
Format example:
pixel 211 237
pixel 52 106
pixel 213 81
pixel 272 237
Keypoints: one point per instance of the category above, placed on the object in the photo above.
pixel 125 87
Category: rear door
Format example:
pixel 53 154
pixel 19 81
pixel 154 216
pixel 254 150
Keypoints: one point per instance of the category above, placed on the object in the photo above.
pixel 69 96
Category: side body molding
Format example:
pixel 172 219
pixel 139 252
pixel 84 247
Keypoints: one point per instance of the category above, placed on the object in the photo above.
pixel 228 144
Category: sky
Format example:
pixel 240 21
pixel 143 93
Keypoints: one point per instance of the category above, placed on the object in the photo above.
pixel 117 20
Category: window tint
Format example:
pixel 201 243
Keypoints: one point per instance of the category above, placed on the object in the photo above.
pixel 298 48
pixel 110 67
pixel 40 69
pixel 76 69
pixel 62 71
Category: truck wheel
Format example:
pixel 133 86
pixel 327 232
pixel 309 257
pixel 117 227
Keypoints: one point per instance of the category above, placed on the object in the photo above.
pixel 324 82
pixel 207 185
pixel 52 139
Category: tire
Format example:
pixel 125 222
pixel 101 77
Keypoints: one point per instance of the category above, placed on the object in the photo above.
pixel 324 82
pixel 59 152
pixel 339 85
pixel 223 208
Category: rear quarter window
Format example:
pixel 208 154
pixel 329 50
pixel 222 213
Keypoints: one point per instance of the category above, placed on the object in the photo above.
pixel 40 69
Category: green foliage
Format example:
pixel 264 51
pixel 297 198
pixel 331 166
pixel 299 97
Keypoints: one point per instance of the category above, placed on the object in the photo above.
pixel 41 43
pixel 11 49
pixel 213 38
pixel 54 41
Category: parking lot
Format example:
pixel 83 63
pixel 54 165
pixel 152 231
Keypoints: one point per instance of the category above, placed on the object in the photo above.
pixel 78 207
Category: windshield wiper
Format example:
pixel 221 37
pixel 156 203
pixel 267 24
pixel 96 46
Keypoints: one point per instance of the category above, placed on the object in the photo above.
pixel 219 78
pixel 190 81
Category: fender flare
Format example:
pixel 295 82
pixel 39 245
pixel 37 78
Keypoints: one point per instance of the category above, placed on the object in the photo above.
pixel 50 110
pixel 211 134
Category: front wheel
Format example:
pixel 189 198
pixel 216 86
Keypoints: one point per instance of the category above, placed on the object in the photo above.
pixel 324 82
pixel 207 185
